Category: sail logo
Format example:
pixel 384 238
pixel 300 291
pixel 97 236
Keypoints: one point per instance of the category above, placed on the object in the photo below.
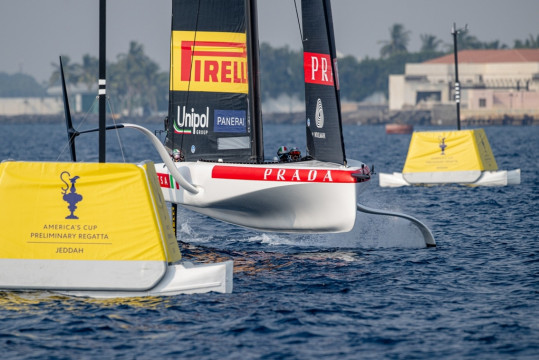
pixel 209 62
pixel 189 121
pixel 230 121
pixel 72 198
pixel 319 114
pixel 317 68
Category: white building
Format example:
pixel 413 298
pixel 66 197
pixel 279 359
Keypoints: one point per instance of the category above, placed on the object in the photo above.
pixel 80 100
pixel 493 83
pixel 31 106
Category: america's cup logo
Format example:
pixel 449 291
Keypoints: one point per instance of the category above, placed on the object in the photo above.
pixel 442 145
pixel 72 198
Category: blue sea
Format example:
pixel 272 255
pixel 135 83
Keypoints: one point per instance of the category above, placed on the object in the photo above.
pixel 373 293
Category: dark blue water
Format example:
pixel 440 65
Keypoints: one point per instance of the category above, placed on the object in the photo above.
pixel 374 293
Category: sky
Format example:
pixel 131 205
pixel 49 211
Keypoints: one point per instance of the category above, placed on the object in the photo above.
pixel 33 33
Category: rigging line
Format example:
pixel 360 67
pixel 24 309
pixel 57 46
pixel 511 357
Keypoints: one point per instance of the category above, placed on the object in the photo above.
pixel 170 80
pixel 333 55
pixel 111 110
pixel 83 120
pixel 190 70
pixel 64 148
pixel 299 25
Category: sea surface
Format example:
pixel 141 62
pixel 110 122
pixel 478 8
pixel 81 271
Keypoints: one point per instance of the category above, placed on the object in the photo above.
pixel 373 293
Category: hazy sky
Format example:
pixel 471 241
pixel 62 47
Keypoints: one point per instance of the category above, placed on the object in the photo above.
pixel 33 33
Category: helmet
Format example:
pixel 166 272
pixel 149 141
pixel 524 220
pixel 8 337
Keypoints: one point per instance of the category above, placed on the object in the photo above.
pixel 295 154
pixel 177 155
pixel 283 150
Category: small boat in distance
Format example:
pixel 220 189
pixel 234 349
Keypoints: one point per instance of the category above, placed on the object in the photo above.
pixel 397 128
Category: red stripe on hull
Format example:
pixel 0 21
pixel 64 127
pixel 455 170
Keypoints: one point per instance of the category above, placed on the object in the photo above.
pixel 282 174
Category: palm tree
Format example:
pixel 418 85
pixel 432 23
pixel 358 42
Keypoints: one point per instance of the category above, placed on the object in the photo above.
pixel 429 43
pixel 135 76
pixel 530 43
pixel 88 71
pixel 467 41
pixel 277 71
pixel 399 38
pixel 493 45
pixel 534 42
pixel 71 71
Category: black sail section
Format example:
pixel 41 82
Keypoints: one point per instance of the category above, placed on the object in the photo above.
pixel 322 103
pixel 208 100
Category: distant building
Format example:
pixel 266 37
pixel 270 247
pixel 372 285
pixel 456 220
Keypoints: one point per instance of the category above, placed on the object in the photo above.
pixel 11 106
pixel 80 100
pixel 494 84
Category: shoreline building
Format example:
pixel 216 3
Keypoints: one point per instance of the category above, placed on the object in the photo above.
pixel 497 87
pixel 81 99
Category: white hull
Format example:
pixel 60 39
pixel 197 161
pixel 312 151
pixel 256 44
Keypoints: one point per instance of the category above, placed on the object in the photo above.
pixel 484 178
pixel 305 196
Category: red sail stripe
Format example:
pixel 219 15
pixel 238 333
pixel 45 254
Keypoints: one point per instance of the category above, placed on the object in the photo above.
pixel 218 53
pixel 192 48
pixel 317 68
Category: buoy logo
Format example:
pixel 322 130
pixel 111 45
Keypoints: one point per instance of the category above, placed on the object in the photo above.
pixel 442 145
pixel 72 198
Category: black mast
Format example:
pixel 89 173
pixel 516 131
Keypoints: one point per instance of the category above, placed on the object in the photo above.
pixel 322 98
pixel 102 78
pixel 333 55
pixel 71 132
pixel 254 83
pixel 455 32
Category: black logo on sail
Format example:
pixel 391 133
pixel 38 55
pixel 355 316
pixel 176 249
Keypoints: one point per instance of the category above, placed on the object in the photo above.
pixel 319 120
pixel 72 198
pixel 319 114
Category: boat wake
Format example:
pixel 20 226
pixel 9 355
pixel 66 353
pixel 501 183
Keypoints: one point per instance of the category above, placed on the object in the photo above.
pixel 370 232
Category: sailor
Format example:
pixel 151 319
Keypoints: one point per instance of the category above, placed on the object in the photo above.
pixel 282 153
pixel 294 154
pixel 177 155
